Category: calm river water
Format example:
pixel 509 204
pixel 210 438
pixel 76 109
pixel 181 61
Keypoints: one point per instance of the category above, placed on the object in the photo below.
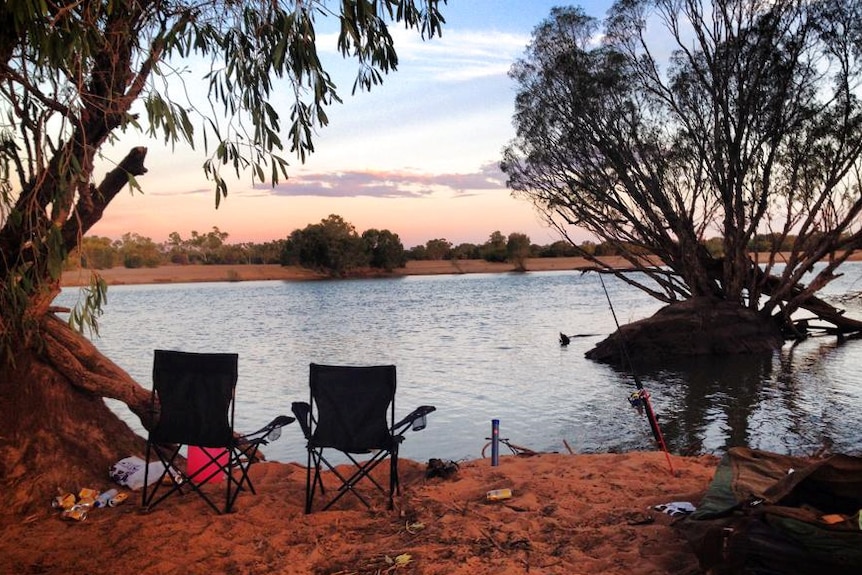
pixel 483 346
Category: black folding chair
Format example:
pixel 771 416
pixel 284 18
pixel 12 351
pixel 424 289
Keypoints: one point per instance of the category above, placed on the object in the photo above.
pixel 193 405
pixel 352 411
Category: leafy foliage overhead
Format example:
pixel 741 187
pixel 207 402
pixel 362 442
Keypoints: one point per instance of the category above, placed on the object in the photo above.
pixel 74 76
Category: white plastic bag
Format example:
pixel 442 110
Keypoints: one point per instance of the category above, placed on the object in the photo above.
pixel 129 472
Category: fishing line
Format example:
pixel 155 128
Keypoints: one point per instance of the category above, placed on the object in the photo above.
pixel 641 397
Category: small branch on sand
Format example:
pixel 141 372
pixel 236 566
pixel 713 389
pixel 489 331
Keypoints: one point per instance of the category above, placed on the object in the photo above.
pixel 491 539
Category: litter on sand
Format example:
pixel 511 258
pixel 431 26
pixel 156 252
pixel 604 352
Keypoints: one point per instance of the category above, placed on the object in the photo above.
pixel 676 508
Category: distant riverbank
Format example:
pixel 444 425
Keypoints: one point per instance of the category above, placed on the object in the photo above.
pixel 256 272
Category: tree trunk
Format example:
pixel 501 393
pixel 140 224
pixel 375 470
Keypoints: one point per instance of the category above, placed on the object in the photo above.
pixel 56 433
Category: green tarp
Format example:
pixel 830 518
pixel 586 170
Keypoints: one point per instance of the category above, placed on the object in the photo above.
pixel 771 514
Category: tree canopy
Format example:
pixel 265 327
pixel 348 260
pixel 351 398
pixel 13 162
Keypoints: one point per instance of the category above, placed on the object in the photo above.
pixel 76 76
pixel 334 247
pixel 673 121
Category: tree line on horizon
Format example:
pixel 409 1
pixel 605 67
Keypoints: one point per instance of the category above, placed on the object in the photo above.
pixel 334 246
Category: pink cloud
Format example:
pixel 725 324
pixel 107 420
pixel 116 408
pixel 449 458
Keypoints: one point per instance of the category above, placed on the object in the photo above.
pixel 387 184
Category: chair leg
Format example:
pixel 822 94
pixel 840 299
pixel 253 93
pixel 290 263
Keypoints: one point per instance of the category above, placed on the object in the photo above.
pixel 317 482
pixel 393 477
pixel 228 502
pixel 152 487
pixel 177 484
pixel 362 471
pixel 146 477
pixel 241 460
pixel 242 470
pixel 348 484
pixel 316 460
pixel 149 500
pixel 309 488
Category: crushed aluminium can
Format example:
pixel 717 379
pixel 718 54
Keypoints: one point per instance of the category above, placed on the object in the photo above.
pixel 64 502
pixel 87 493
pixel 76 513
pixel 87 497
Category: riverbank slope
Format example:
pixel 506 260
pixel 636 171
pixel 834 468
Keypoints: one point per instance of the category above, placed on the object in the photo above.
pixel 252 272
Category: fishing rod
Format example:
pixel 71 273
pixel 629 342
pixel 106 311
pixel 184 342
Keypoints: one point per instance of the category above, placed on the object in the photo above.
pixel 640 398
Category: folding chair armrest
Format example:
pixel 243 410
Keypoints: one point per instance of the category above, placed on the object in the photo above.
pixel 411 417
pixel 262 435
pixel 302 411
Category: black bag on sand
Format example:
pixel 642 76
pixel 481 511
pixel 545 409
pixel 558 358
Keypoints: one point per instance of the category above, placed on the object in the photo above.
pixel 440 468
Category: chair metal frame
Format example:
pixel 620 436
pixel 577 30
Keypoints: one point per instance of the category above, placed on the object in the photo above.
pixel 165 440
pixel 308 416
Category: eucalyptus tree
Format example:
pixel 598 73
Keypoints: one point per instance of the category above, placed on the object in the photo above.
pixel 331 246
pixel 438 249
pixel 74 76
pixel 518 249
pixel 137 251
pixel 676 120
pixel 494 250
pixel 384 249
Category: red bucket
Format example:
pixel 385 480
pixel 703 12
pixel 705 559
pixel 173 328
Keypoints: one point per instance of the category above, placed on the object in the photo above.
pixel 200 464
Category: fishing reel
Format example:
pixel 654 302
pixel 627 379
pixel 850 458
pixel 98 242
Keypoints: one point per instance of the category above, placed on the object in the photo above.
pixel 638 400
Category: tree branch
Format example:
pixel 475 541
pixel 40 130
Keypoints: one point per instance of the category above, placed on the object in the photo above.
pixel 90 207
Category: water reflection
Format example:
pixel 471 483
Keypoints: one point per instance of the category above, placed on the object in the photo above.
pixel 803 399
pixel 817 390
pixel 709 400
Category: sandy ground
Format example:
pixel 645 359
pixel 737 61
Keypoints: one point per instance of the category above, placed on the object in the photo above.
pixel 569 514
pixel 215 273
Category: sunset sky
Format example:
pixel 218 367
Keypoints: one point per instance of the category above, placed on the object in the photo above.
pixel 418 155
